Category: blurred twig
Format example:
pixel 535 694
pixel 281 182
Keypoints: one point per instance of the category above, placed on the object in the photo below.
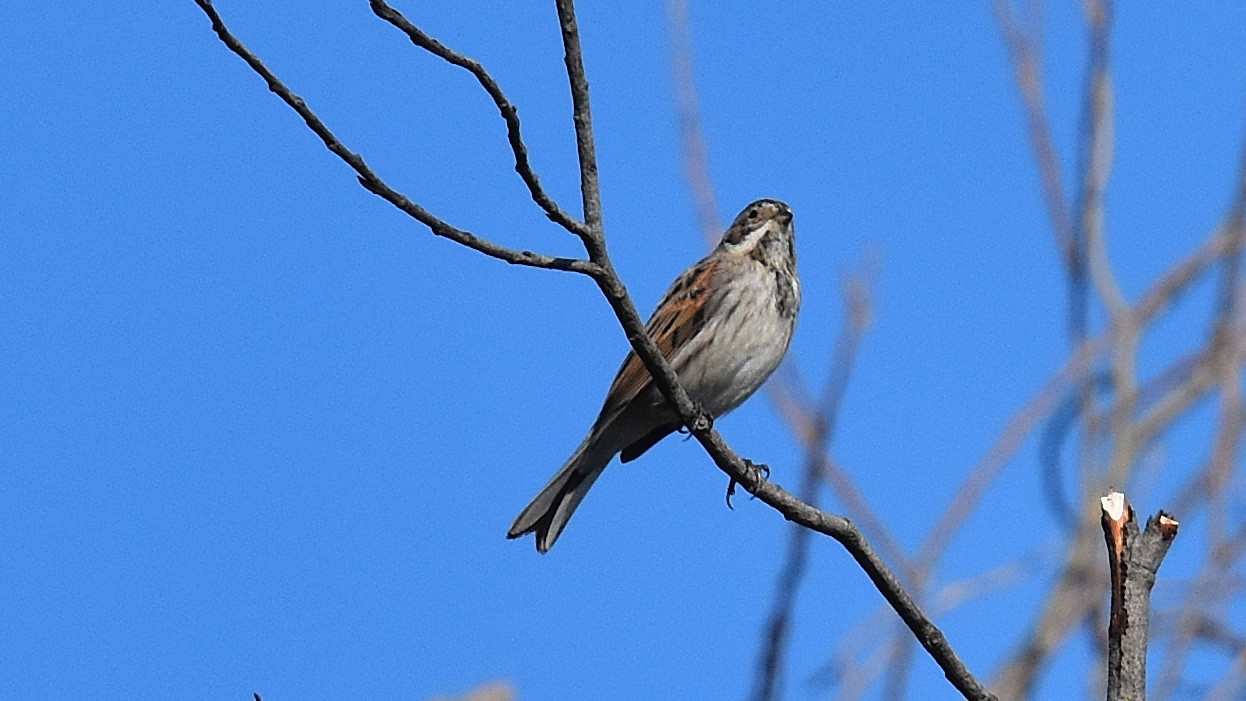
pixel 495 691
pixel 1123 428
pixel 1199 618
pixel 811 422
pixel 863 655
pixel 1023 37
pixel 821 418
pixel 696 156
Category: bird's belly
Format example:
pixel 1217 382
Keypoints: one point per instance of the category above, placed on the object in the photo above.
pixel 736 355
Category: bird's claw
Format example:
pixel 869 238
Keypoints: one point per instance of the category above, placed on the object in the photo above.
pixel 758 473
pixel 703 421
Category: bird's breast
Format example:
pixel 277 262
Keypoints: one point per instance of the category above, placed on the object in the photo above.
pixel 746 335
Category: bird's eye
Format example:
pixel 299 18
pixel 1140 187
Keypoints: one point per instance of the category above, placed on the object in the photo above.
pixel 753 213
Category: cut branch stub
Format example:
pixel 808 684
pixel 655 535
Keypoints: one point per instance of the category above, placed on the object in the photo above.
pixel 1133 557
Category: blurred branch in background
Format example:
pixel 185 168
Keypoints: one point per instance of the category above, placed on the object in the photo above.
pixel 696 157
pixel 817 426
pixel 1023 37
pixel 494 691
pixel 1138 414
pixel 1102 368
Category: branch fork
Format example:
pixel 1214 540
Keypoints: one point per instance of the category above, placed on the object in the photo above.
pixel 1134 556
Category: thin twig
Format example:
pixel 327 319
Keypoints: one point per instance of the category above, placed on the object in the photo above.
pixel 1025 52
pixel 773 655
pixel 859 658
pixel 1225 343
pixel 1022 423
pixel 1228 296
pixel 899 667
pixel 1061 611
pixel 696 159
pixel 1179 277
pixel 590 189
pixel 1065 606
pixel 1068 604
pixel 856 506
pixel 372 182
pixel 787 390
pixel 508 110
pixel 1096 161
pixel 806 424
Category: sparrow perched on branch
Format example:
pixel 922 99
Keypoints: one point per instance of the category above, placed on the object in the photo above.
pixel 724 325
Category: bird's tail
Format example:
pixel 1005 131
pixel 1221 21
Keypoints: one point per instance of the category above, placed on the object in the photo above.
pixel 549 512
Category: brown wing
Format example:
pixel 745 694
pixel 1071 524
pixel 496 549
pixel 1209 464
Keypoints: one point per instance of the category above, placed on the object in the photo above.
pixel 679 316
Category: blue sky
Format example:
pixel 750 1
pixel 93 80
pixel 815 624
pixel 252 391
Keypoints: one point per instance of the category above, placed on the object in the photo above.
pixel 261 432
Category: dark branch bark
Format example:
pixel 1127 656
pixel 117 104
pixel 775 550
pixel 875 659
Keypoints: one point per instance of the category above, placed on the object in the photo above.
pixel 586 148
pixel 372 182
pixel 509 113
pixel 1133 558
pixel 843 531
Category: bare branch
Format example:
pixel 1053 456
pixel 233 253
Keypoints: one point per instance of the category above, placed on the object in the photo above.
pixel 372 182
pixel 1227 303
pixel 864 654
pixel 1133 558
pixel 899 666
pixel 696 160
pixel 1070 602
pixel 884 579
pixel 1197 380
pixel 1098 135
pixel 1177 278
pixel 590 189
pixel 772 658
pixel 1024 50
pixel 1226 346
pixel 1065 605
pixel 508 110
pixel 855 504
pixel 1196 620
pixel 789 393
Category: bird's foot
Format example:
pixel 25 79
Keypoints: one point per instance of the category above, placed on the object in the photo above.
pixel 758 473
pixel 704 421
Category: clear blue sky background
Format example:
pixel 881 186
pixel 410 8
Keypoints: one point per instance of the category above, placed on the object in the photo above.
pixel 261 432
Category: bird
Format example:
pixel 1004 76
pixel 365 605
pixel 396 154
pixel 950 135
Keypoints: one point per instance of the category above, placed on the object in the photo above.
pixel 724 326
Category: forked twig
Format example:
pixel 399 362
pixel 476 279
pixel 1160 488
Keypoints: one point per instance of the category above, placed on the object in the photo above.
pixel 508 110
pixel 372 182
